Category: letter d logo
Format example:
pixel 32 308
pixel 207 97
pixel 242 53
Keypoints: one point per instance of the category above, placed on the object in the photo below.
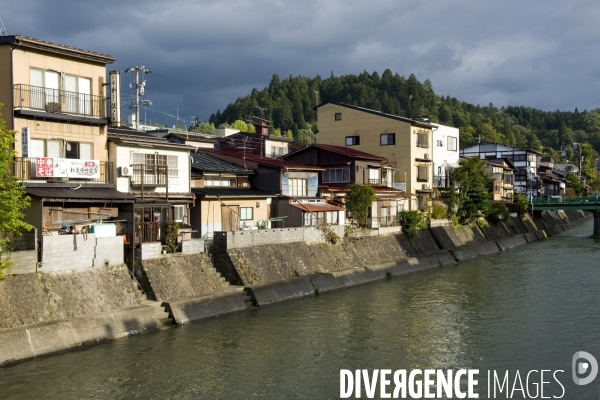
pixel 582 367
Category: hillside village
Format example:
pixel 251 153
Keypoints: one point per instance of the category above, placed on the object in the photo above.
pixel 105 192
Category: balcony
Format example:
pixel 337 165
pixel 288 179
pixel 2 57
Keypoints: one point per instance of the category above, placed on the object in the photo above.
pixel 68 105
pixel 374 181
pixel 439 181
pixel 149 175
pixel 62 170
pixel 387 221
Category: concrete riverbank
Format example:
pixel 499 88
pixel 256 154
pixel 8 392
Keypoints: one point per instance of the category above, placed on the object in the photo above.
pixel 42 314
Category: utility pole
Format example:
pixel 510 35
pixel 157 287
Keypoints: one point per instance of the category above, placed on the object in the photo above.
pixel 139 91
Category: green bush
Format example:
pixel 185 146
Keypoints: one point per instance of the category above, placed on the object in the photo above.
pixel 498 212
pixel 411 222
pixel 169 239
pixel 438 212
pixel 523 203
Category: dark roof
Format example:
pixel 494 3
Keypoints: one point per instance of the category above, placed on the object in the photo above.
pixel 128 135
pixel 498 144
pixel 192 136
pixel 379 113
pixel 27 42
pixel 272 162
pixel 231 192
pixel 82 193
pixel 258 136
pixel 340 150
pixel 203 162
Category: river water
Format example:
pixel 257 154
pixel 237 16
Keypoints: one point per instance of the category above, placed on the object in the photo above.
pixel 527 309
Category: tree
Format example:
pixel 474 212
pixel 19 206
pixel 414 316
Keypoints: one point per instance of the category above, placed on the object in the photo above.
pixel 573 182
pixel 588 165
pixel 472 199
pixel 204 127
pixel 241 126
pixel 13 199
pixel 358 201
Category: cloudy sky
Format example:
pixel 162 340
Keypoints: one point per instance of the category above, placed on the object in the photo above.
pixel 205 53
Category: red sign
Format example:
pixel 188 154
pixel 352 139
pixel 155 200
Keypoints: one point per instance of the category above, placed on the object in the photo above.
pixel 44 167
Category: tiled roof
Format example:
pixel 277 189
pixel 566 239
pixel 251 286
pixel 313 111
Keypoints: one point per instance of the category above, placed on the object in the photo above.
pixel 128 135
pixel 82 193
pixel 341 150
pixel 203 162
pixel 231 192
pixel 193 136
pixel 24 41
pixel 273 162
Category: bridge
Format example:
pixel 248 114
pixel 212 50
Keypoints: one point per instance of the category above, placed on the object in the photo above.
pixel 571 203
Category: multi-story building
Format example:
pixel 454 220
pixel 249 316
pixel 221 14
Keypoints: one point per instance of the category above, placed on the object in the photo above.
pixel 445 153
pixel 406 143
pixel 54 98
pixel 525 161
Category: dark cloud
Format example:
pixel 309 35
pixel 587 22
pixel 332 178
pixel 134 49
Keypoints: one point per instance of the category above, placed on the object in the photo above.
pixel 540 53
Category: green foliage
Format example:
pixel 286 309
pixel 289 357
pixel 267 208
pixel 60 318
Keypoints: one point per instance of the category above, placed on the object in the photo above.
pixel 523 203
pixel 329 235
pixel 438 211
pixel 242 126
pixel 471 200
pixel 573 182
pixel 289 103
pixel 13 200
pixel 171 230
pixel 588 166
pixel 498 212
pixel 412 221
pixel 204 127
pixel 358 201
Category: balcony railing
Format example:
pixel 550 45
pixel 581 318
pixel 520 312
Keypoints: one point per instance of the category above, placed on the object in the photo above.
pixel 149 175
pixel 28 170
pixel 390 220
pixel 58 101
pixel 374 181
pixel 439 181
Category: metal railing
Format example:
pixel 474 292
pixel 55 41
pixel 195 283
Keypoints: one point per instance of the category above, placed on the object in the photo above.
pixel 26 171
pixel 149 175
pixel 439 181
pixel 390 220
pixel 58 101
pixel 374 181
pixel 565 200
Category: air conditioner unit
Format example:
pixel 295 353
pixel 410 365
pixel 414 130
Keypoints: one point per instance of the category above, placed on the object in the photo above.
pixel 426 186
pixel 427 156
pixel 125 171
pixel 53 107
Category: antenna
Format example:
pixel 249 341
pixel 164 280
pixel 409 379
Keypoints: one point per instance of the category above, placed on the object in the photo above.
pixel 3 31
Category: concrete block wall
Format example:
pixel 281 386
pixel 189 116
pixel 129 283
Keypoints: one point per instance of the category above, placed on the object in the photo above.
pixel 192 246
pixel 241 239
pixel 24 262
pixel 109 250
pixel 26 241
pixel 147 251
pixel 64 252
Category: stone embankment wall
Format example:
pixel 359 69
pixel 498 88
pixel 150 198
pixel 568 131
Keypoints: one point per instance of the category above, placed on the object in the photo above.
pixel 36 298
pixel 178 276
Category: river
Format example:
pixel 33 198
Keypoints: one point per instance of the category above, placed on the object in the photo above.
pixel 527 309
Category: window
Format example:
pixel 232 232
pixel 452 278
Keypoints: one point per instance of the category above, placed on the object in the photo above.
pixel 53 92
pixel 178 213
pixel 313 219
pixel 352 140
pixel 220 181
pixel 280 151
pixel 332 217
pixel 373 176
pixel 387 139
pixel 54 149
pixel 246 213
pixel 422 175
pixel 422 140
pixel 338 116
pixel 273 151
pixel 298 187
pixel 242 181
pixel 452 143
pixel 520 157
pixel 508 179
pixel 439 170
pixel 336 175
pixel 150 162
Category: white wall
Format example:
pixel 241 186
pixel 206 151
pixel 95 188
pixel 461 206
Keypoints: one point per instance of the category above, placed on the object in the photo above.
pixel 441 154
pixel 121 155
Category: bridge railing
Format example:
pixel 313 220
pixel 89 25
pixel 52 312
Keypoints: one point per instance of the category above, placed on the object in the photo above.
pixel 565 200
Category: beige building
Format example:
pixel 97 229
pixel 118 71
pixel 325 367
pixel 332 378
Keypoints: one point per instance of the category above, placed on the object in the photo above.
pixel 406 143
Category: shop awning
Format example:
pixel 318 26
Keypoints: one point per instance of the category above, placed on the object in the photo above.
pixel 78 193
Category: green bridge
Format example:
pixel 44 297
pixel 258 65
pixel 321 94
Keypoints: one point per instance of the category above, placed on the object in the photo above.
pixel 571 203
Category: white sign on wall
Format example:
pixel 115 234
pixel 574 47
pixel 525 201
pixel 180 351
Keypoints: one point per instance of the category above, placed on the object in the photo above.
pixel 66 168
pixel 115 97
pixel 25 142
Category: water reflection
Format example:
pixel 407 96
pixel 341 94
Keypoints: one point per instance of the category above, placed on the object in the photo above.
pixel 527 309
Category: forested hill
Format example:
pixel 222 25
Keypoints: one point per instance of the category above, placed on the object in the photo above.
pixel 289 105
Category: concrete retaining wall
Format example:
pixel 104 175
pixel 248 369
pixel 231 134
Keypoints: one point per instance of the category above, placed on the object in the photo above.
pixel 202 307
pixel 192 246
pixel 53 337
pixel 243 239
pixel 24 262
pixel 67 252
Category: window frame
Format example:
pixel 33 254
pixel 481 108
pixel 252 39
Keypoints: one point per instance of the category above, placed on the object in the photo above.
pixel 326 175
pixel 422 140
pixel 244 213
pixel 298 187
pixel 338 116
pixel 387 137
pixel 452 143
pixel 420 176
pixel 355 140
